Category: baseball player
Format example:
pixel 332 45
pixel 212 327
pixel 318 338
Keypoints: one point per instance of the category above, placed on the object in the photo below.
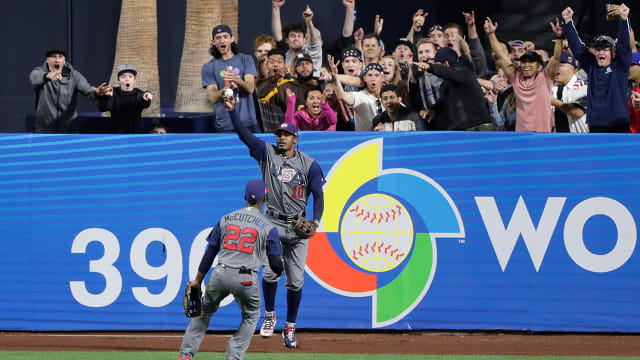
pixel 291 176
pixel 240 239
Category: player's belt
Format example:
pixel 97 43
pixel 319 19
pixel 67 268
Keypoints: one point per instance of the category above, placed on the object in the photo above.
pixel 240 270
pixel 287 218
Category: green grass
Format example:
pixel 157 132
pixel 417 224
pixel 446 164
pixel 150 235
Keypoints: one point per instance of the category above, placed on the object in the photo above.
pixel 76 355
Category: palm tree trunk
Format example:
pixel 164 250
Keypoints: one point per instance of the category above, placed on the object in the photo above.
pixel 202 16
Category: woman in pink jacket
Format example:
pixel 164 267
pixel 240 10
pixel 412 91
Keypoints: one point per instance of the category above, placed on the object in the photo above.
pixel 316 113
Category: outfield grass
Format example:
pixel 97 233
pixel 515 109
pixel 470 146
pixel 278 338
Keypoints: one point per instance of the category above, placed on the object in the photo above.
pixel 76 355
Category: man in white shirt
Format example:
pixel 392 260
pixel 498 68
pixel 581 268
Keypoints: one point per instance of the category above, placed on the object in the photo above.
pixel 366 103
pixel 570 97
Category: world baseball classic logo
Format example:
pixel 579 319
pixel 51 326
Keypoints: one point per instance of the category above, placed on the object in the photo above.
pixel 378 233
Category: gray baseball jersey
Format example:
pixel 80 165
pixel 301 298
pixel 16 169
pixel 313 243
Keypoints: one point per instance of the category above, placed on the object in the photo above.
pixel 244 239
pixel 287 181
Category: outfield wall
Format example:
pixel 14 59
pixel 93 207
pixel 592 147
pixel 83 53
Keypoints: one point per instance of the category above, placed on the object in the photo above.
pixel 431 230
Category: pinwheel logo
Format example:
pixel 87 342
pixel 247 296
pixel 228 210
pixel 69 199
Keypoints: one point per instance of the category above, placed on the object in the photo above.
pixel 378 233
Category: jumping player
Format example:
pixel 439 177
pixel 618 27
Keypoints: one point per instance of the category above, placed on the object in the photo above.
pixel 240 239
pixel 291 176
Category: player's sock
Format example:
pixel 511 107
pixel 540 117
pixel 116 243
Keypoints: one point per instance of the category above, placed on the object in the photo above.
pixel 293 303
pixel 269 290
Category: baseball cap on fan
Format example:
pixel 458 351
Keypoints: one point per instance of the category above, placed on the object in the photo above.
pixel 635 58
pixel 220 29
pixel 288 128
pixel 127 67
pixel 255 191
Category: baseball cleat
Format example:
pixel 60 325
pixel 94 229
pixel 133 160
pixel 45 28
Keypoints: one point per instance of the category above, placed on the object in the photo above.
pixel 184 357
pixel 268 324
pixel 289 335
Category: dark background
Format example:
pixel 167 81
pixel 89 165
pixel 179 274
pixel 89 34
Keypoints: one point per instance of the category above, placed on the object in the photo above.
pixel 88 30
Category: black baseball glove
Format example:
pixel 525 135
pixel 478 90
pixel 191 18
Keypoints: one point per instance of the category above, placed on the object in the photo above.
pixel 192 301
pixel 305 229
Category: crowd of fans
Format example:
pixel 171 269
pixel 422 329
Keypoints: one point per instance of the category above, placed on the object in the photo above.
pixel 439 79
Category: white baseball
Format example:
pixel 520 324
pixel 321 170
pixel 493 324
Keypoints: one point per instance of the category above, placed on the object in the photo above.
pixel 228 93
pixel 377 232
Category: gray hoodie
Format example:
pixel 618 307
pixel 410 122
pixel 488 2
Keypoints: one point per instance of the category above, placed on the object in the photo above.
pixel 57 100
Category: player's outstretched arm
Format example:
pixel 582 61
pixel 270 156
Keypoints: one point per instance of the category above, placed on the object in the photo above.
pixel 252 142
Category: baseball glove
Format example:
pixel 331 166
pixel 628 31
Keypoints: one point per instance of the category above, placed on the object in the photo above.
pixel 305 229
pixel 192 301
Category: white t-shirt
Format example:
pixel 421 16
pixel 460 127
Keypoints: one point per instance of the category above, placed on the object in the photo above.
pixel 365 108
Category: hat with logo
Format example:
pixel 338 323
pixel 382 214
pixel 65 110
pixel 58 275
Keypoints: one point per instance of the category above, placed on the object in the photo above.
pixel 403 41
pixel 256 190
pixel 567 58
pixel 531 56
pixel 604 41
pixel 220 29
pixel 288 128
pixel 127 67
pixel 446 54
pixel 302 57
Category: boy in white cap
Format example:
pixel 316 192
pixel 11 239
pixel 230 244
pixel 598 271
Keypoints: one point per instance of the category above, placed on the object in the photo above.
pixel 125 102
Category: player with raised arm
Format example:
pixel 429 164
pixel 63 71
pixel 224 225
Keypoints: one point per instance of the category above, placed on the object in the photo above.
pixel 291 176
pixel 240 239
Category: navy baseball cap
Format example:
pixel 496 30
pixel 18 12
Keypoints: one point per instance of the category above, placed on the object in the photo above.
pixel 288 128
pixel 220 29
pixel 567 58
pixel 446 54
pixel 256 190
pixel 635 58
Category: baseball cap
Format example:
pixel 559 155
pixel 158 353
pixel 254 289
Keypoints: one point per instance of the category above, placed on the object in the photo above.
pixel 635 58
pixel 403 41
pixel 567 58
pixel 516 43
pixel 446 54
pixel 301 57
pixel 255 191
pixel 372 66
pixel 220 29
pixel 352 53
pixel 604 41
pixel 56 50
pixel 531 56
pixel 286 127
pixel 435 28
pixel 127 67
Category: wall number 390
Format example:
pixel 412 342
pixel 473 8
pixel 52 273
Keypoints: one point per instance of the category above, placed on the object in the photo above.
pixel 171 269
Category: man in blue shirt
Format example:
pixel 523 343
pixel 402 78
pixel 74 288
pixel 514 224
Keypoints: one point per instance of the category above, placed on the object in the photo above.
pixel 230 70
pixel 608 70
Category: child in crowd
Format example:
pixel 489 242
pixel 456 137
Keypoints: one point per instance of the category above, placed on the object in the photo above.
pixel 316 113
pixel 125 102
